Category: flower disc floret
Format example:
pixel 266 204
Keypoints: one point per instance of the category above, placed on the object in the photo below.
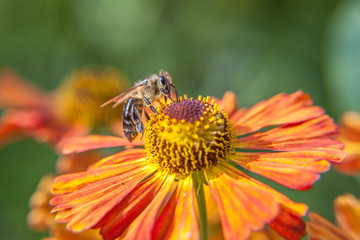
pixel 189 135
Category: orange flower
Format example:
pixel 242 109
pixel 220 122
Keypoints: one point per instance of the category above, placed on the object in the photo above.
pixel 153 193
pixel 350 135
pixel 52 117
pixel 347 213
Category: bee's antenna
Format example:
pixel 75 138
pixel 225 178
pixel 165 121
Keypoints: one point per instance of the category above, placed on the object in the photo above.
pixel 176 93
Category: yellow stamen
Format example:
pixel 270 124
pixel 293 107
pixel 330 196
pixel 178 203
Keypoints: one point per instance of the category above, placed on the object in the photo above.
pixel 198 136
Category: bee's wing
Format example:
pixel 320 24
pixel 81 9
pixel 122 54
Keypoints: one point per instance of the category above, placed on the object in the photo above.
pixel 122 96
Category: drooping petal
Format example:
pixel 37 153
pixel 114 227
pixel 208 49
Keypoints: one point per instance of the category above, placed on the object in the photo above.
pixel 35 123
pixel 25 119
pixel 39 217
pixel 91 192
pixel 77 162
pixel 350 136
pixel 288 225
pixel 319 228
pixel 243 206
pixel 9 132
pixel 266 233
pixel 350 126
pixel 85 197
pixel 81 144
pixel 72 182
pixel 288 221
pixel 148 195
pixel 228 103
pixel 179 220
pixel 90 210
pixel 15 92
pixel 163 223
pixel 350 165
pixel 297 170
pixel 121 157
pixel 59 232
pixel 312 134
pixel 144 224
pixel 298 209
pixel 279 110
pixel 347 213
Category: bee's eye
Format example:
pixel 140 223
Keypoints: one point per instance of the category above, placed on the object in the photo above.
pixel 162 80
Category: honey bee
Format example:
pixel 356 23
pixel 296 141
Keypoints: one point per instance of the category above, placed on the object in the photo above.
pixel 142 95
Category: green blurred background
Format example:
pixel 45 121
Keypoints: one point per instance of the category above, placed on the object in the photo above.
pixel 256 48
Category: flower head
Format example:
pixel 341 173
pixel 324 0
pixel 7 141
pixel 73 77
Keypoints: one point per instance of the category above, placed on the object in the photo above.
pixel 347 213
pixel 72 110
pixel 189 136
pixel 78 99
pixel 197 144
pixel 350 135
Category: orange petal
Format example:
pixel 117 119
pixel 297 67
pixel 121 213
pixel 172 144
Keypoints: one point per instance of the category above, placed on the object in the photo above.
pixel 77 162
pixel 163 223
pixel 312 134
pixel 278 110
pixel 14 92
pixel 121 157
pixel 321 228
pixel 350 165
pixel 33 123
pixel 81 144
pixel 148 195
pixel 350 126
pixel 288 225
pixel 143 226
pixel 97 189
pixel 243 206
pixel 228 103
pixel 347 213
pixel 9 132
pixel 180 221
pixel 298 209
pixel 297 170
pixel 24 119
pixel 72 182
pixel 238 114
pixel 85 207
pixel 350 136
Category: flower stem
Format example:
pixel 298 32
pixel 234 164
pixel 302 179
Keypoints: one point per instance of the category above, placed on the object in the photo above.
pixel 200 198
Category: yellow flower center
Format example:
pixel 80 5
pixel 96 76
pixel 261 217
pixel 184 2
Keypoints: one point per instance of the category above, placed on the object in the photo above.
pixel 78 100
pixel 189 135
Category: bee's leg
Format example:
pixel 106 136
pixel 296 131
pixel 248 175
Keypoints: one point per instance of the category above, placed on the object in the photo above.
pixel 140 128
pixel 146 115
pixel 176 93
pixel 148 103
pixel 137 120
pixel 166 93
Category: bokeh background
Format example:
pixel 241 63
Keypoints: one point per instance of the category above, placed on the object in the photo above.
pixel 256 48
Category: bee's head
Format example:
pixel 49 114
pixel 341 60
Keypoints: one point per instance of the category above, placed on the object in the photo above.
pixel 165 80
pixel 166 84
